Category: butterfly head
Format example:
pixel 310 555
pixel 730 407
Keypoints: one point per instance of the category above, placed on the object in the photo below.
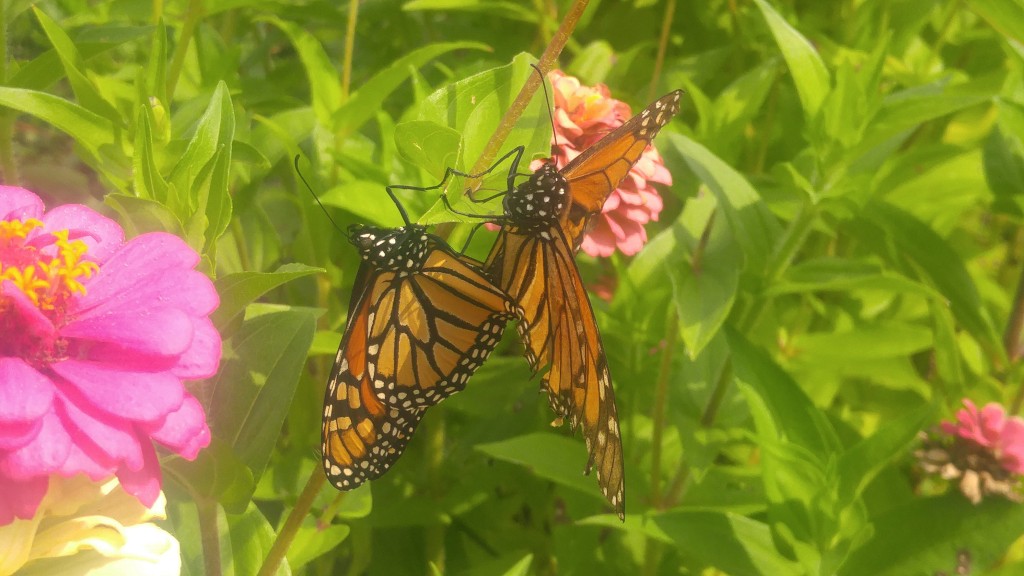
pixel 541 199
pixel 392 249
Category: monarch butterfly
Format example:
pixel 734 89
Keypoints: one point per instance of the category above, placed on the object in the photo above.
pixel 422 319
pixel 532 260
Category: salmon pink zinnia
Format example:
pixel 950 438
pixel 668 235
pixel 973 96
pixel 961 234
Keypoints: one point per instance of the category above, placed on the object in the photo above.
pixel 584 115
pixel 97 336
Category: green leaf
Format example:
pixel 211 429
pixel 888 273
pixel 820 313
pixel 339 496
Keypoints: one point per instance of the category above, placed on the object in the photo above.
pixel 91 131
pixel 429 145
pixel 141 215
pixel 496 8
pixel 215 474
pixel 251 539
pixel 475 105
pixel 365 103
pixel 926 535
pixel 862 462
pixel 312 541
pixel 796 418
pixel 257 379
pixel 842 275
pixel 323 77
pixel 930 254
pixel 200 177
pixel 1004 159
pixel 366 200
pixel 1006 16
pixel 805 65
pixel 239 289
pixel 148 182
pixel 547 455
pixel 863 343
pixel 85 91
pixel 752 224
pixel 907 109
pixel 704 286
pixel 731 543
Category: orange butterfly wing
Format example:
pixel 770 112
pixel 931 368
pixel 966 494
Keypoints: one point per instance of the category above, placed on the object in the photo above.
pixel 558 328
pixel 422 320
pixel 361 437
pixel 598 170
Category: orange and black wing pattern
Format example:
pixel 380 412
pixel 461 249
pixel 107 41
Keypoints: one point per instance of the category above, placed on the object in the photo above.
pixel 422 320
pixel 533 262
pixel 599 169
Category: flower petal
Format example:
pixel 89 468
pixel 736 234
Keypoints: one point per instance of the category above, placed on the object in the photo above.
pixel 17 203
pixel 202 358
pixel 102 235
pixel 185 289
pixel 144 483
pixel 144 259
pixel 19 499
pixel 156 331
pixel 25 394
pixel 137 396
pixel 31 321
pixel 115 440
pixel 185 430
pixel 43 455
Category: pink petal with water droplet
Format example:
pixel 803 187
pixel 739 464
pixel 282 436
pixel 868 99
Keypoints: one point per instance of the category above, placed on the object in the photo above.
pixel 135 396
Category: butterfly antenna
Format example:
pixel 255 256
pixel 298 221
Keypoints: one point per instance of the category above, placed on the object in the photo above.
pixel 551 116
pixel 315 197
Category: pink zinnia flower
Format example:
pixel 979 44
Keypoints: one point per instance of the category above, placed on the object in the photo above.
pixel 990 429
pixel 983 451
pixel 583 115
pixel 96 337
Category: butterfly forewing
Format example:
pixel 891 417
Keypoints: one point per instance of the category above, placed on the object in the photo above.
pixel 598 170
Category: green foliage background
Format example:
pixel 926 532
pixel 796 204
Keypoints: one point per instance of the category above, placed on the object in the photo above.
pixel 835 269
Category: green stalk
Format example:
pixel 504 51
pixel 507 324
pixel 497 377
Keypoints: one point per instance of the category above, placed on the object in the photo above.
pixel 435 535
pixel 292 523
pixel 659 61
pixel 7 164
pixel 350 46
pixel 209 535
pixel 193 15
pixel 660 402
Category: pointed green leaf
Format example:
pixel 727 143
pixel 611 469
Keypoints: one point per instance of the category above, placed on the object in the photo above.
pixel 240 289
pixel 752 224
pixel 805 65
pixel 731 543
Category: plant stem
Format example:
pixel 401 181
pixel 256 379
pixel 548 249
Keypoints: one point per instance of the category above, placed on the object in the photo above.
pixel 546 63
pixel 350 47
pixel 515 110
pixel 193 15
pixel 209 534
pixel 7 164
pixel 292 523
pixel 1015 324
pixel 435 535
pixel 660 403
pixel 659 61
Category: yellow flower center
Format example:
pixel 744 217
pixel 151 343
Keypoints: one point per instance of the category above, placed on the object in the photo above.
pixel 47 280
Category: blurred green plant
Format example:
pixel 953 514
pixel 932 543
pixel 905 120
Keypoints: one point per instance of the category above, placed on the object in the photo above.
pixel 839 258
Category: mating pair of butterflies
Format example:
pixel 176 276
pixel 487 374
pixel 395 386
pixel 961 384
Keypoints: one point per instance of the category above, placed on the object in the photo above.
pixel 423 317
